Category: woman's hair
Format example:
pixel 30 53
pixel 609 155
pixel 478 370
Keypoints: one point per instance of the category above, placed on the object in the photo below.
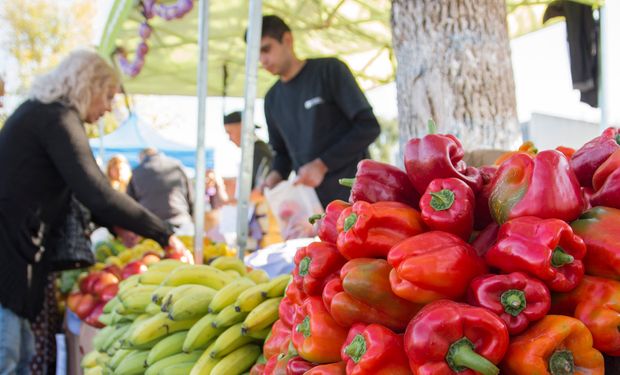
pixel 79 76
pixel 118 162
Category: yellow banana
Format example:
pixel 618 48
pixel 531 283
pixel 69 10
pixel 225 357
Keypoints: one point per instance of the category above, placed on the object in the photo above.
pixel 152 308
pixel 205 363
pixel 201 333
pixel 156 367
pixel 178 369
pixel 251 297
pixel 198 274
pixel 118 357
pixel 234 274
pixel 166 265
pixel 229 263
pixel 129 282
pixel 259 335
pixel 155 328
pixel 228 317
pixel 90 359
pixel 277 286
pixel 135 303
pixel 168 346
pixel 237 362
pixel 192 305
pixel 181 291
pixel 153 277
pixel 228 294
pixel 136 289
pixel 133 364
pixel 97 370
pixel 262 316
pixel 258 276
pixel 159 294
pixel 228 341
pixel 102 360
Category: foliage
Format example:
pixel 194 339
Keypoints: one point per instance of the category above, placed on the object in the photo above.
pixel 386 145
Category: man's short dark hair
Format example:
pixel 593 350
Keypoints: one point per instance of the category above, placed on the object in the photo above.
pixel 273 27
pixel 232 118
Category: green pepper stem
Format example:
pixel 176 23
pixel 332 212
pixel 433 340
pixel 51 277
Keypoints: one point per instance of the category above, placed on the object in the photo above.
pixel 560 257
pixel 513 301
pixel 314 218
pixel 356 349
pixel 618 139
pixel 304 327
pixel 461 356
pixel 348 182
pixel 442 200
pixel 432 127
pixel 562 362
pixel 304 266
pixel 350 221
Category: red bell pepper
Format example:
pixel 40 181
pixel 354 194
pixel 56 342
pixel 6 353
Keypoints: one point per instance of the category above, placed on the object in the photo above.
pixel 369 230
pixel 326 223
pixel 485 239
pixel 316 336
pixel 295 295
pixel 432 266
pixel 380 182
pixel 314 264
pixel 596 302
pixel 588 158
pixel 438 156
pixel 606 182
pixel 286 311
pixel 278 340
pixel 544 248
pixel 258 369
pixel 337 368
pixel 482 213
pixel 287 364
pixel 599 228
pixel 544 186
pixel 374 350
pixel 363 294
pixel 516 298
pixel 567 151
pixel 447 337
pixel 448 205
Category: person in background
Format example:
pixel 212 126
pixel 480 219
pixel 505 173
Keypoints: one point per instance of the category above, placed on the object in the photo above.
pixel 45 158
pixel 319 121
pixel 160 184
pixel 118 171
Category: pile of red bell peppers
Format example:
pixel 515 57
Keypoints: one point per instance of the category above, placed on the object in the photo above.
pixel 443 268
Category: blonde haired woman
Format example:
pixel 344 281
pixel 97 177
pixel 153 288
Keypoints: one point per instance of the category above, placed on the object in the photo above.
pixel 45 156
pixel 118 172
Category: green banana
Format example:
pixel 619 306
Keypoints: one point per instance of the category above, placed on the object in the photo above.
pixel 90 359
pixel 152 308
pixel 237 362
pixel 133 364
pixel 181 291
pixel 101 336
pixel 156 367
pixel 252 297
pixel 198 274
pixel 262 316
pixel 229 263
pixel 157 327
pixel 201 333
pixel 178 369
pixel 259 335
pixel 228 341
pixel 228 294
pixel 135 303
pixel 97 370
pixel 114 336
pixel 153 277
pixel 111 304
pixel 277 286
pixel 168 346
pixel 258 276
pixel 205 363
pixel 118 357
pixel 192 305
pixel 228 317
pixel 137 289
pixel 129 282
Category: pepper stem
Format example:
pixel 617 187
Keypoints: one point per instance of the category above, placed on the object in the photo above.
pixel 348 182
pixel 513 301
pixel 562 362
pixel 560 257
pixel 356 349
pixel 461 356
pixel 618 139
pixel 314 218
pixel 304 266
pixel 442 200
pixel 304 327
pixel 432 127
pixel 350 221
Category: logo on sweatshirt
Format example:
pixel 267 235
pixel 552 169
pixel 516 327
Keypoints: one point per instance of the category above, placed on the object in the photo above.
pixel 313 102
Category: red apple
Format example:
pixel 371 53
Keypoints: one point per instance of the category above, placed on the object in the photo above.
pixel 133 268
pixel 104 279
pixel 184 256
pixel 150 258
pixel 93 318
pixel 108 292
pixel 114 269
pixel 86 306
pixel 88 282
pixel 73 300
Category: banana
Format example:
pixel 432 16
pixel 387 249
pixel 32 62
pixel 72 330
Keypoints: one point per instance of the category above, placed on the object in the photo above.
pixel 228 341
pixel 262 316
pixel 119 319
pixel 133 364
pixel 205 363
pixel 228 316
pixel 152 308
pixel 228 294
pixel 198 274
pixel 229 263
pixel 181 291
pixel 111 304
pixel 129 282
pixel 102 360
pixel 156 327
pixel 90 359
pixel 168 346
pixel 156 367
pixel 238 361
pixel 137 289
pixel 159 294
pixel 234 274
pixel 135 303
pixel 251 297
pixel 201 333
pixel 153 277
pixel 101 336
pixel 166 265
pixel 118 357
pixel 178 369
pixel 105 319
pixel 277 286
pixel 259 335
pixel 97 370
pixel 114 336
pixel 192 305
pixel 258 276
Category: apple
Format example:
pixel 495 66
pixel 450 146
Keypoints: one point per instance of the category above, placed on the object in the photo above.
pixel 133 268
pixel 150 258
pixel 108 292
pixel 113 269
pixel 104 279
pixel 184 256
pixel 93 318
pixel 88 282
pixel 73 300
pixel 86 306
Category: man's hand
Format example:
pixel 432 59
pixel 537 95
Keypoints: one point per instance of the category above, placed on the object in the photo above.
pixel 272 179
pixel 311 174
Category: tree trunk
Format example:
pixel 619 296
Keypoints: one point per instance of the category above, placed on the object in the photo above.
pixel 454 67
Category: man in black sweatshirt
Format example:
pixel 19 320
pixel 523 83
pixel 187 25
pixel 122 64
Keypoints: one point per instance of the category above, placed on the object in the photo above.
pixel 319 121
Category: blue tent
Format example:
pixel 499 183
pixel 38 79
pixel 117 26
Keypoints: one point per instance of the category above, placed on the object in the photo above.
pixel 134 135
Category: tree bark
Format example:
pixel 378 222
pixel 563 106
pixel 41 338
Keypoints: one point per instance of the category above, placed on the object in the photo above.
pixel 454 67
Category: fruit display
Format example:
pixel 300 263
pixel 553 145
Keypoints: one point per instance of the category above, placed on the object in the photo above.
pixel 177 318
pixel 512 268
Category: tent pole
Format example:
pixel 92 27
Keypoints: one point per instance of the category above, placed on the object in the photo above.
pixel 247 136
pixel 199 203
pixel 603 93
